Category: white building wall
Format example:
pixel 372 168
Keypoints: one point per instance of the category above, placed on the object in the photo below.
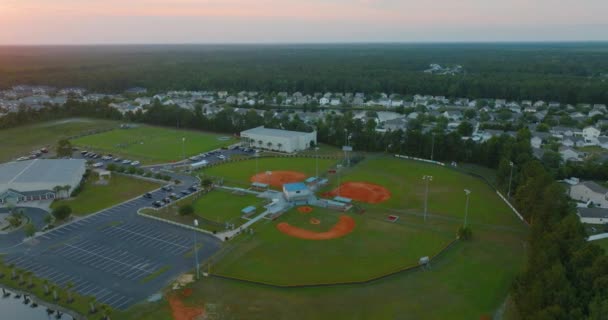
pixel 288 144
pixel 594 220
pixel 582 193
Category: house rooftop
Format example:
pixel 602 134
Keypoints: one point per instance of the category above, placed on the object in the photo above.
pixel 595 187
pixel 592 213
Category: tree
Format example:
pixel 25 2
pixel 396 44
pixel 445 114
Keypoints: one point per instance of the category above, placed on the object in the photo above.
pixel 45 285
pixel 464 233
pixel 68 289
pixel 62 212
pixel 55 294
pixel 465 129
pixel 48 219
pixel 92 305
pixel 186 210
pixel 64 148
pixel 29 230
pixel 269 144
pixel 107 311
pixel 280 146
pixel 30 279
pixel 207 184
pixel 13 271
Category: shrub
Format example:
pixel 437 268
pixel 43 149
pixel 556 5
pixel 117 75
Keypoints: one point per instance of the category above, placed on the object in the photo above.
pixel 111 167
pixel 158 176
pixel 186 210
pixel 62 212
pixel 465 233
pixel 131 170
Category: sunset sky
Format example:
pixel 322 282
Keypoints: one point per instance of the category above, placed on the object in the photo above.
pixel 293 21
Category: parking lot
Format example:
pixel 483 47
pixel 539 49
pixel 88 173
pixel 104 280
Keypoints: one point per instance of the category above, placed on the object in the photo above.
pixel 115 255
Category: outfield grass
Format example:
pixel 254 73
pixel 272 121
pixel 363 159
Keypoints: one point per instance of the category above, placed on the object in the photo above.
pixel 153 144
pixel 95 197
pixel 241 171
pixel 403 178
pixel 374 248
pixel 20 141
pixel 224 206
pixel 471 280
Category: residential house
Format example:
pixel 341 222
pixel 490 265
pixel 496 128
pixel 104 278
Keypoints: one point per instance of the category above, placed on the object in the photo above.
pixel 453 115
pixel 593 215
pixel 589 191
pixel 569 154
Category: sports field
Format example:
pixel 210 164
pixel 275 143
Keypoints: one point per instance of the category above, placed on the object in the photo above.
pixel 95 197
pixel 240 172
pixel 150 144
pixel 373 248
pixel 403 178
pixel 224 206
pixel 20 141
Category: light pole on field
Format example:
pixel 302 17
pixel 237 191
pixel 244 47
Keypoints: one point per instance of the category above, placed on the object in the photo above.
pixel 432 145
pixel 317 162
pixel 427 179
pixel 510 179
pixel 183 148
pixel 196 251
pixel 467 192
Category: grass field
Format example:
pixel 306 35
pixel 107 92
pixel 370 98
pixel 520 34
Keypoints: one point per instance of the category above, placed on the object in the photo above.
pixel 470 280
pixel 95 197
pixel 603 243
pixel 20 141
pixel 223 206
pixel 241 171
pixel 374 248
pixel 446 191
pixel 153 144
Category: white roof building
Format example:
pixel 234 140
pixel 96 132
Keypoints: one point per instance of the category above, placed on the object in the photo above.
pixel 279 140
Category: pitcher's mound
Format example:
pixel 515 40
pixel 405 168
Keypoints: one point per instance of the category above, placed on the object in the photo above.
pixel 344 226
pixel 278 178
pixel 305 209
pixel 361 191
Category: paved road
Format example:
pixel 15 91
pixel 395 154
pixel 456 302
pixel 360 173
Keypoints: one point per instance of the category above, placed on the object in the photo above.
pixel 111 254
pixel 15 238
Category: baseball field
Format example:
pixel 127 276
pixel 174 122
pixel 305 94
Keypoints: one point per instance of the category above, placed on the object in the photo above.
pixel 150 144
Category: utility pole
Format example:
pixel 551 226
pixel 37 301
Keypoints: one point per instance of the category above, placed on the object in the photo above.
pixel 196 251
pixel 510 180
pixel 427 179
pixel 467 192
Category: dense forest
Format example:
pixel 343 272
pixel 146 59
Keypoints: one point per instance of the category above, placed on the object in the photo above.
pixel 566 72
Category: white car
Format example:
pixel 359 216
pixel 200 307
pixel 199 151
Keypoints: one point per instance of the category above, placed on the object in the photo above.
pixel 135 163
pixel 98 165
pixel 222 157
pixel 126 161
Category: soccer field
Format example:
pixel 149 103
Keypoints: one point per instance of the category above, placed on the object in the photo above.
pixel 20 141
pixel 153 144
pixel 224 206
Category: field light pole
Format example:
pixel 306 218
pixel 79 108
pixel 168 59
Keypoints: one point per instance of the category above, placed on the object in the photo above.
pixel 510 179
pixel 426 195
pixel 317 162
pixel 432 145
pixel 196 251
pixel 183 148
pixel 467 192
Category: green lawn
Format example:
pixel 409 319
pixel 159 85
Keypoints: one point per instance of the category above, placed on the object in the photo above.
pixel 241 171
pixel 224 206
pixel 20 141
pixel 471 280
pixel 403 179
pixel 153 144
pixel 374 248
pixel 95 197
pixel 603 243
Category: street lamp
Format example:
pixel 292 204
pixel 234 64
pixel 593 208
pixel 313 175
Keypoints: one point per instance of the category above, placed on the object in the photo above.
pixel 467 192
pixel 426 195
pixel 196 251
pixel 510 179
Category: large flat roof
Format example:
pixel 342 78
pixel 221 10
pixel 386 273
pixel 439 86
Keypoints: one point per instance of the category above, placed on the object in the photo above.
pixel 274 132
pixel 38 171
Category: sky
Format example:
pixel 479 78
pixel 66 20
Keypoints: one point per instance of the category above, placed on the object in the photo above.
pixel 299 21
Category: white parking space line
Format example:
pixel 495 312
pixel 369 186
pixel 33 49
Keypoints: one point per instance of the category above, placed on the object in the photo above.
pixel 108 258
pixel 152 238
pixel 123 303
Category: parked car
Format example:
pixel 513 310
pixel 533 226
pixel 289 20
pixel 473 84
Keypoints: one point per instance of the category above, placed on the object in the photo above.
pixel 167 188
pixel 98 165
pixel 167 200
pixel 173 195
pixel 126 161
pixel 135 163
pixel 117 159
pixel 185 192
pixel 157 204
pixel 148 195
